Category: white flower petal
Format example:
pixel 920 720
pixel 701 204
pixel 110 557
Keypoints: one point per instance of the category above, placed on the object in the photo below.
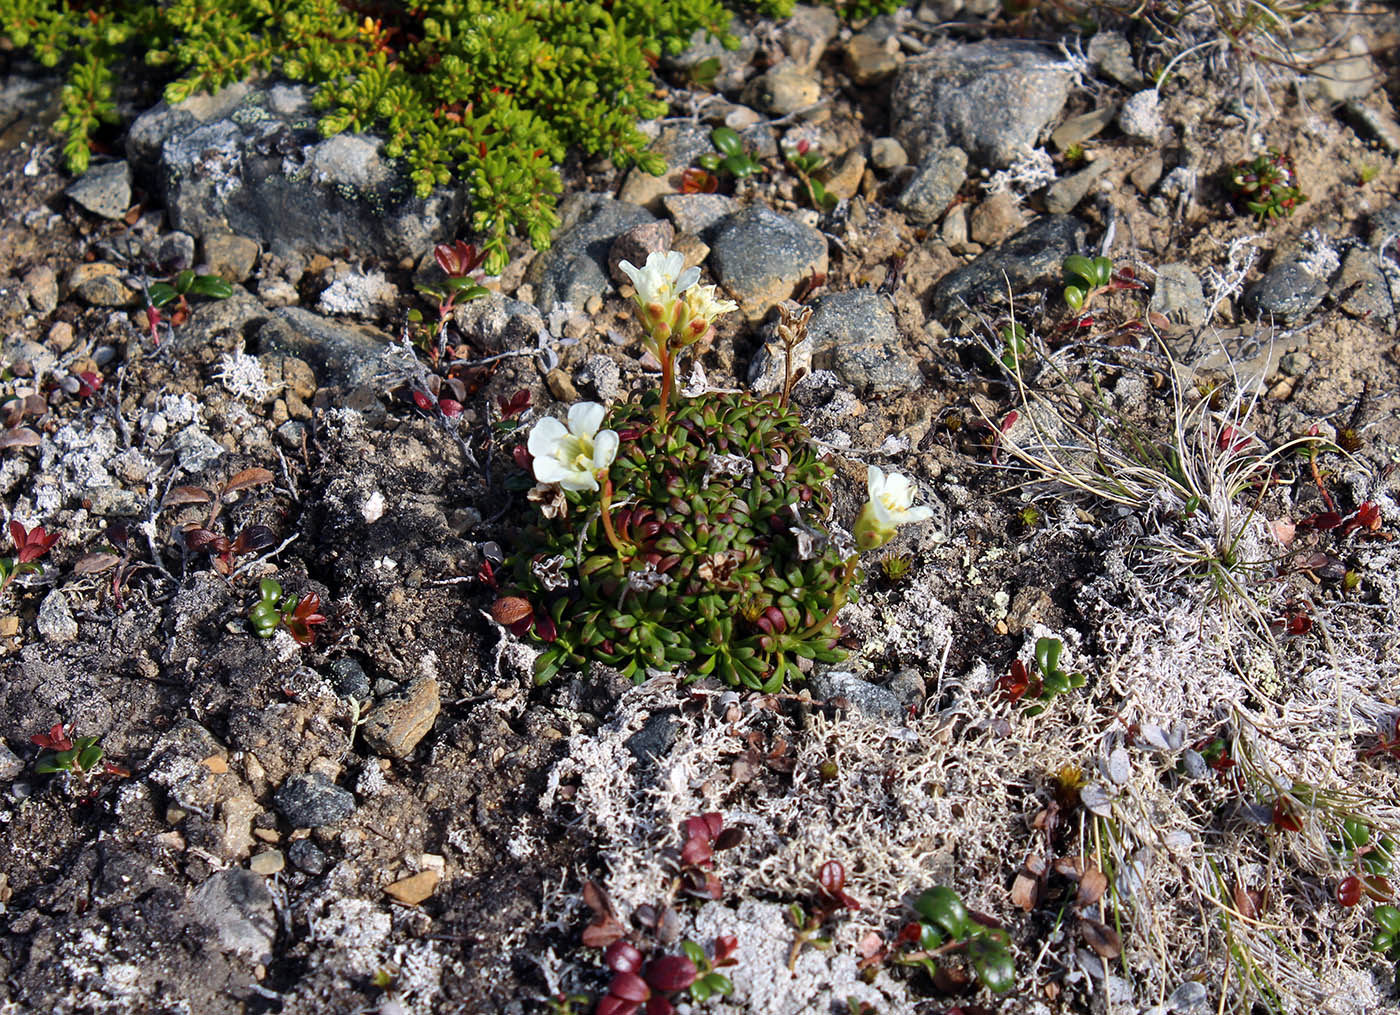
pixel 874 481
pixel 579 481
pixel 604 448
pixel 920 513
pixel 631 271
pixel 687 278
pixel 544 437
pixel 585 418
pixel 898 492
pixel 550 470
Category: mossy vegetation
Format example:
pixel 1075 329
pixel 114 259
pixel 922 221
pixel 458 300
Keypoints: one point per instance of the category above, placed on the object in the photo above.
pixel 491 92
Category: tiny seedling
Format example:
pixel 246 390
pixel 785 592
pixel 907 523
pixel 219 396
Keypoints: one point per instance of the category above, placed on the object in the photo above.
pixel 805 161
pixel 1045 683
pixel 945 926
pixel 1266 185
pixel 30 545
pixel 203 537
pixel 729 155
pixel 299 613
pixel 79 757
pixel 176 293
pixel 829 899
pixel 1015 348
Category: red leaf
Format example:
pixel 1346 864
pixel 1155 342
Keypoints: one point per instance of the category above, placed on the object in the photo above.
pixel 1349 891
pixel 610 1004
pixel 832 876
pixel 423 400
pixel 659 1005
pixel 545 628
pixel 631 987
pixel 1284 818
pixel 1015 684
pixel 623 957
pixel 696 852
pixel 725 946
pixel 53 740
pixel 671 972
pixel 451 408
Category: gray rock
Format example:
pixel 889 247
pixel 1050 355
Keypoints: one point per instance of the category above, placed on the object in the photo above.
pixel 936 182
pixel 1063 196
pixel 868 60
pixel 654 740
pixel 733 63
pixel 268 862
pixel 211 321
pixel 1178 295
pixel 886 153
pixel 55 620
pixel 100 284
pixel 992 99
pixel 996 218
pixel 1375 123
pixel 1350 77
pixel 637 244
pixel 1384 227
pixel 230 257
pixel 498 323
pixel 871 699
pixel 1363 289
pixel 1141 116
pixel 26 357
pixel 602 374
pixel 175 251
pixel 575 268
pixel 909 687
pixel 854 334
pixel 1033 254
pixel 10 764
pixel 394 727
pixel 104 190
pixel 1112 54
pixel 807 33
pixel 782 90
pixel 349 679
pixel 759 257
pixel 1288 291
pixel 697 213
pixel 307 856
pixel 681 145
pixel 341 355
pixel 248 161
pixel 237 905
pixel 1193 764
pixel 310 801
pixel 41 288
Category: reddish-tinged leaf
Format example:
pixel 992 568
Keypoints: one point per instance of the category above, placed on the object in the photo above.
pixel 1248 903
pixel 53 740
pixel 187 495
pixel 623 957
pixel 254 538
pixel 729 838
pixel 248 478
pixel 423 400
pixel 1285 818
pixel 1092 884
pixel 515 405
pixel 307 609
pixel 1349 891
pixel 714 823
pixel 602 932
pixel 545 628
pixel 659 1005
pixel 671 972
pixel 19 437
pixel 1323 521
pixel 610 1004
pixel 631 987
pixel 1025 891
pixel 451 408
pixel 1376 887
pixel 96 563
pixel 36 543
pixel 198 538
pixel 511 610
pixel 1101 937
pixel 725 946
pixel 696 852
pixel 832 876
pixel 1015 684
pixel 522 457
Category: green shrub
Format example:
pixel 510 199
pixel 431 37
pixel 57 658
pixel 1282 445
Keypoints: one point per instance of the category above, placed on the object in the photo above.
pixel 488 91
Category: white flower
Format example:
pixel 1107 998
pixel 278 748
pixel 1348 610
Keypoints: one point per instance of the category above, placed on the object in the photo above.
pixel 662 280
pixel 573 457
pixel 700 310
pixel 890 505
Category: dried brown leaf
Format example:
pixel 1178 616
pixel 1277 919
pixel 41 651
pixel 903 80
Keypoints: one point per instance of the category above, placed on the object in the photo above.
pixel 1092 884
pixel 186 495
pixel 96 563
pixel 19 437
pixel 1025 891
pixel 248 478
pixel 1101 937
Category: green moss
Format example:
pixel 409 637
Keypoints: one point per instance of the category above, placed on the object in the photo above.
pixel 488 91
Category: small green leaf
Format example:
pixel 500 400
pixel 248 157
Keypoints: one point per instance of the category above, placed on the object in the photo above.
pixel 992 963
pixel 941 905
pixel 727 140
pixel 1074 297
pixel 212 286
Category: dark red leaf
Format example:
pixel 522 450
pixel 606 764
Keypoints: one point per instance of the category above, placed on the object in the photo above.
pixel 714 823
pixel 671 972
pixel 451 408
pixel 545 628
pixel 696 852
pixel 631 987
pixel 521 454
pixel 610 1004
pixel 832 876
pixel 199 538
pixel 423 400
pixel 725 946
pixel 623 957
pixel 1349 891
pixel 729 838
pixel 659 1005
pixel 1322 521
pixel 1284 818
pixel 53 740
